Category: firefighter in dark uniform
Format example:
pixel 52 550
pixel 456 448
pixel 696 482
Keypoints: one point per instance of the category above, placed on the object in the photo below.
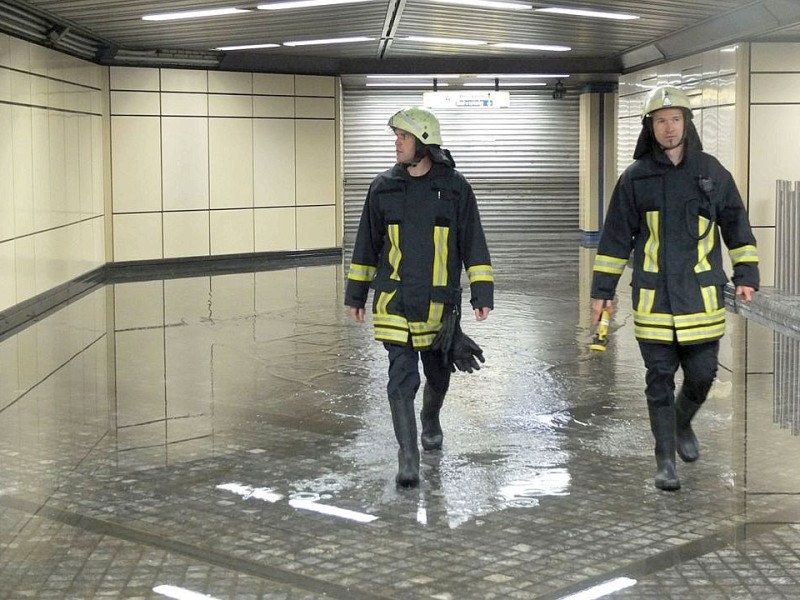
pixel 420 226
pixel 669 207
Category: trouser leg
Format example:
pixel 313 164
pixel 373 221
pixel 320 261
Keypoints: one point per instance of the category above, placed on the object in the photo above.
pixel 437 382
pixel 661 361
pixel 699 363
pixel 403 384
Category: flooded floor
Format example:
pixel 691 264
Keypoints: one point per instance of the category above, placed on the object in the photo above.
pixel 229 436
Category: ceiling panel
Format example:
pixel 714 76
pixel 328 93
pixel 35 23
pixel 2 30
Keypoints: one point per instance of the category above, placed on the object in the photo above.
pixel 112 31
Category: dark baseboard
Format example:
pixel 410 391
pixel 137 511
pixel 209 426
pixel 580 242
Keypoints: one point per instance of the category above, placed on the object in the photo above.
pixel 24 314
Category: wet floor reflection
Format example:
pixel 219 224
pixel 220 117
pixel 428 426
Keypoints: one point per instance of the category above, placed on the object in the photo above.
pixel 250 400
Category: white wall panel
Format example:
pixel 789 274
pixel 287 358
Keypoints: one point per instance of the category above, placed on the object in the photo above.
pixel 186 234
pixel 137 236
pixel 231 163
pixel 275 229
pixel 316 167
pixel 275 84
pixel 316 227
pixel 231 231
pixel 185 163
pixel 136 163
pixel 8 275
pixel 7 181
pixel 274 175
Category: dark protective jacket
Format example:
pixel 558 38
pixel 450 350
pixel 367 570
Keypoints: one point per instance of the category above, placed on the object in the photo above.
pixel 661 212
pixel 415 236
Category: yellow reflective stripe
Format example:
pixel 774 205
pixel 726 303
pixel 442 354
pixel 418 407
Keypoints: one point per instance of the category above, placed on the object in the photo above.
pixel 361 272
pixel 383 301
pixel 423 327
pixel 646 300
pixel 703 318
pixel 704 246
pixel 697 334
pixel 709 294
pixel 383 334
pixel 435 314
pixel 423 341
pixel 651 246
pixel 387 320
pixel 744 254
pixel 609 264
pixel 440 235
pixel 653 333
pixel 395 254
pixel 657 319
pixel 480 273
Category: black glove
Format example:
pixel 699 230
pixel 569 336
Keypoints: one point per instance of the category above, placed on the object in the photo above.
pixel 464 352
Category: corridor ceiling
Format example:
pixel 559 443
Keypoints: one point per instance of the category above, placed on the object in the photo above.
pixel 113 32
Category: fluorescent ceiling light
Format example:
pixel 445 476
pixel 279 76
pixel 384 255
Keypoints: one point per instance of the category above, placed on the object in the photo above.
pixel 412 76
pixel 445 41
pixel 524 76
pixel 193 14
pixel 596 14
pixel 407 84
pixel 248 47
pixel 289 4
pixel 346 40
pixel 545 47
pixel 497 4
pixel 505 84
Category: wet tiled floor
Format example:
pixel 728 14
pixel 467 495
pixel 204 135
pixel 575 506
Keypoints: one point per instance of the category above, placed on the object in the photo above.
pixel 228 435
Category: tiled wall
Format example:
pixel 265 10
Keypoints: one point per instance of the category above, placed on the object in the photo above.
pixel 208 163
pixel 774 133
pixel 51 169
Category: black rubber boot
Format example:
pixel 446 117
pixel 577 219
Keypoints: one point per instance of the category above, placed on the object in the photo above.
pixel 688 446
pixel 431 437
pixel 405 430
pixel 662 423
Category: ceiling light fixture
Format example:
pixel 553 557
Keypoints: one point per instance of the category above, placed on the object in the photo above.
pixel 504 84
pixel 495 4
pixel 247 47
pixel 595 14
pixel 544 47
pixel 445 41
pixel 290 4
pixel 413 76
pixel 405 84
pixel 524 76
pixel 194 14
pixel 345 40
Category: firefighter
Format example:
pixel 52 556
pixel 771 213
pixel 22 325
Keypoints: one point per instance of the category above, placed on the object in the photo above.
pixel 669 207
pixel 419 227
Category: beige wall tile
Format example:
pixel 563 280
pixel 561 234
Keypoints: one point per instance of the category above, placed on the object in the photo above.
pixel 135 103
pixel 19 54
pixel 314 85
pixel 134 78
pixel 136 163
pixel 273 106
pixel 21 87
pixel 229 82
pixel 775 57
pixel 186 234
pixel 185 164
pixel 137 237
pixel 274 162
pixel 5 85
pixel 231 163
pixel 184 80
pixel 315 108
pixel 6 182
pixel 275 84
pixel 316 227
pixel 765 239
pixel 231 231
pixel 775 87
pixel 316 172
pixel 5 51
pixel 41 168
pixel 8 275
pixel 275 229
pixel 184 105
pixel 774 131
pixel 220 105
pixel 25 259
pixel 54 252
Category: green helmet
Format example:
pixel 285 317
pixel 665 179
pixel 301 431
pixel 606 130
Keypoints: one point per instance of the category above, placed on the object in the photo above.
pixel 666 96
pixel 419 122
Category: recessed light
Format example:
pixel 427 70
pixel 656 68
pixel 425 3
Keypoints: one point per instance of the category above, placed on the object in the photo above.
pixel 194 14
pixel 344 40
pixel 545 47
pixel 248 47
pixel 596 14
